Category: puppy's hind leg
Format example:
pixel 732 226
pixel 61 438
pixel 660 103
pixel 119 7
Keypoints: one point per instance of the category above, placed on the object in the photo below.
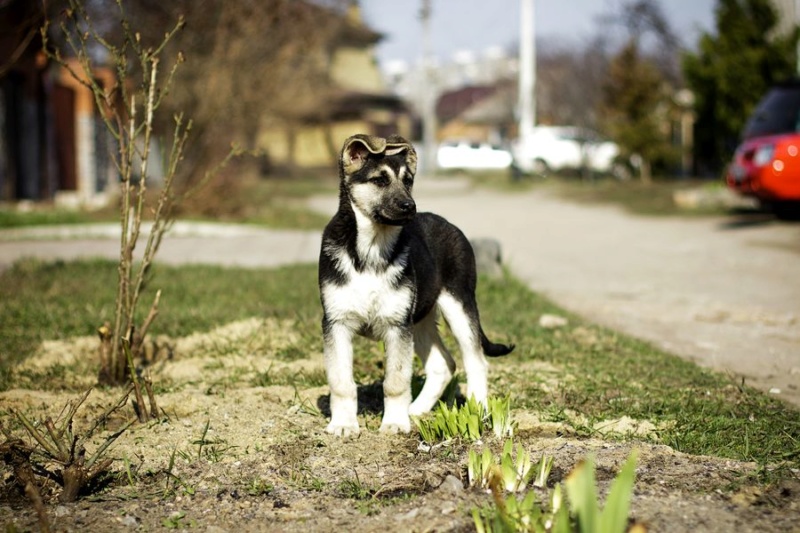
pixel 462 317
pixel 438 363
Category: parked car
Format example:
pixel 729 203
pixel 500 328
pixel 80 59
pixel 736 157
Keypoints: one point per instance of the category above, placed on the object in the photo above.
pixel 766 165
pixel 559 148
pixel 467 155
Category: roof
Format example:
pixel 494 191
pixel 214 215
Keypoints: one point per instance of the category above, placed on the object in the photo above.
pixel 348 105
pixel 453 103
pixel 353 31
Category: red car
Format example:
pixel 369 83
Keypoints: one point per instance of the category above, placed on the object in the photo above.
pixel 767 163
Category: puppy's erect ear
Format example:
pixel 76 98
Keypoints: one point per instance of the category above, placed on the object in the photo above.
pixel 403 146
pixel 396 144
pixel 356 150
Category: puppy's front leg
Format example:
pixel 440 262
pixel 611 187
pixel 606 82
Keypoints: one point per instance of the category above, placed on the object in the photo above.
pixel 397 382
pixel 338 351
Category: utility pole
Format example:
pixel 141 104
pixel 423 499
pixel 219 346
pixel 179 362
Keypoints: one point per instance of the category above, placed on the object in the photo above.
pixel 527 71
pixel 429 93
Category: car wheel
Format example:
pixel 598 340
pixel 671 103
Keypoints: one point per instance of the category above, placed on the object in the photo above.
pixel 515 172
pixel 540 167
pixel 621 171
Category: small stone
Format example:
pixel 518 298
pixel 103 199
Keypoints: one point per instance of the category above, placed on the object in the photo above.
pixel 412 514
pixel 746 497
pixel 774 390
pixel 449 508
pixel 488 258
pixel 452 485
pixel 130 521
pixel 552 321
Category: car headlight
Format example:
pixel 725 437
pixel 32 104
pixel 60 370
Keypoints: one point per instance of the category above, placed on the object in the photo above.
pixel 764 154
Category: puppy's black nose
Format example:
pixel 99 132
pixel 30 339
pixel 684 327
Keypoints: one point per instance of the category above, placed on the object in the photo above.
pixel 406 206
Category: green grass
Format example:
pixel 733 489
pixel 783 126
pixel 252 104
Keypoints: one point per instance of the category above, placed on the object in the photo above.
pixel 654 199
pixel 613 375
pixel 277 202
pixel 599 374
pixel 13 218
pixel 51 301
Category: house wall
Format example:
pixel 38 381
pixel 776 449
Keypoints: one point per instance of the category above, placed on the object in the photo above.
pixel 310 146
pixel 85 157
pixel 318 145
pixel 355 69
pixel 53 144
pixel 21 137
pixel 315 142
pixel 460 130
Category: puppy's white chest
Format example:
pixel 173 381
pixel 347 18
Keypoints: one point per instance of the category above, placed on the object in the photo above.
pixel 369 301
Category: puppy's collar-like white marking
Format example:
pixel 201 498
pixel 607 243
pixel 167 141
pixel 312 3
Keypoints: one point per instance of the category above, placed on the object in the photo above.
pixel 374 242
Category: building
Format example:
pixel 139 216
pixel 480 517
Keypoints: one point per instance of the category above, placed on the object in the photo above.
pixel 478 113
pixel 355 99
pixel 788 15
pixel 53 144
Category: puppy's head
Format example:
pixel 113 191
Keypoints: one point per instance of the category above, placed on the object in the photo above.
pixel 377 177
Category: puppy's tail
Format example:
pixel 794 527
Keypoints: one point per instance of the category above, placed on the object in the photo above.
pixel 492 349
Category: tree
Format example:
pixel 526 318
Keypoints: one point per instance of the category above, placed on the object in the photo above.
pixel 633 97
pixel 567 80
pixel 638 88
pixel 643 19
pixel 254 61
pixel 731 71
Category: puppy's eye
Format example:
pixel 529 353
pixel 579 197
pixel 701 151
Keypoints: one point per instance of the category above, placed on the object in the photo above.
pixel 381 180
pixel 408 181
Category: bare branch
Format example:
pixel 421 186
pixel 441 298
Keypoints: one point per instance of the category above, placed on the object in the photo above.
pixel 37 435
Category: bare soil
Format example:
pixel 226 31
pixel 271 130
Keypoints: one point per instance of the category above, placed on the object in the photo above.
pixel 256 458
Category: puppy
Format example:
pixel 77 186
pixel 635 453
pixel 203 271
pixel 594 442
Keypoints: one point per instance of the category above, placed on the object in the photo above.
pixel 385 271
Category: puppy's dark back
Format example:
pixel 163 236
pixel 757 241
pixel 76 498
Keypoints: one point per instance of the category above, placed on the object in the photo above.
pixel 441 258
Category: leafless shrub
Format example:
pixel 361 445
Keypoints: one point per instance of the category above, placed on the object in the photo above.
pixel 266 63
pixel 129 109
pixel 57 444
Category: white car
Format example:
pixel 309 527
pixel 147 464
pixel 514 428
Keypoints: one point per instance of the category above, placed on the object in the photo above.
pixel 466 155
pixel 557 148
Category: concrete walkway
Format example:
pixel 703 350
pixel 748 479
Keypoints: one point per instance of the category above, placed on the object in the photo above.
pixel 724 295
pixel 186 243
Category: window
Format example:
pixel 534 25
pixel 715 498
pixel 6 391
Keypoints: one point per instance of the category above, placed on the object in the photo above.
pixel 778 112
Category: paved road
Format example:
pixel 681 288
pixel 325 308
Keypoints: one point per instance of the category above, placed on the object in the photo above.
pixel 722 294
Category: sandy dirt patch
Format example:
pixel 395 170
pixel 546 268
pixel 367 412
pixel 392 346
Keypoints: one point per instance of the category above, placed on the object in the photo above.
pixel 228 454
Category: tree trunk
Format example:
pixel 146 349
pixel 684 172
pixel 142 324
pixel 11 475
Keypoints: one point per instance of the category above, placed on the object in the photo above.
pixel 645 171
pixel 74 477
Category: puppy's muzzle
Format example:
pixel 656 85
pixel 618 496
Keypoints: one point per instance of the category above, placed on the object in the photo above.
pixel 399 211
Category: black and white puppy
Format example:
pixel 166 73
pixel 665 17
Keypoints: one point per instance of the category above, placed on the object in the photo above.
pixel 385 272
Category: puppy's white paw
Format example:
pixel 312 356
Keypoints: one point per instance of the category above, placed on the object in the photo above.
pixel 342 430
pixel 395 414
pixel 418 408
pixel 480 395
pixel 390 427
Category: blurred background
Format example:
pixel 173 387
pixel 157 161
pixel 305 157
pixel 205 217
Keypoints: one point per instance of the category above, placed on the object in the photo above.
pixel 636 89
